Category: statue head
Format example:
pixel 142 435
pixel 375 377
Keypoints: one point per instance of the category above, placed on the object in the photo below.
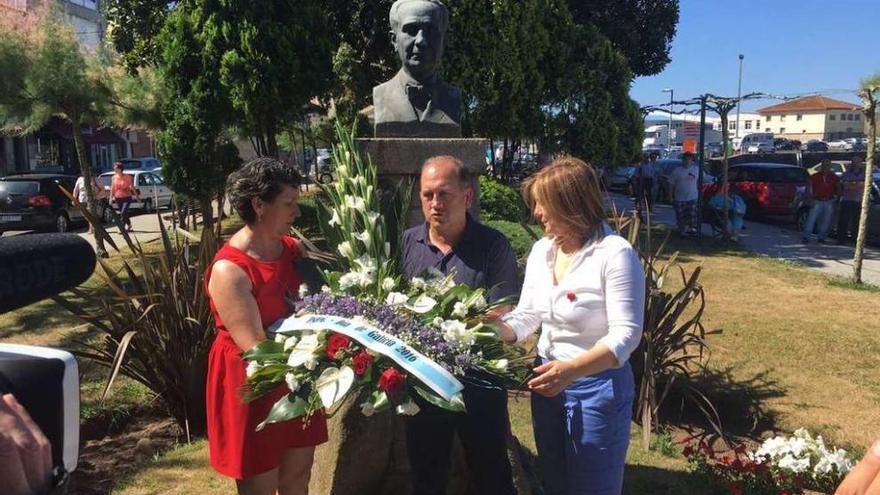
pixel 418 31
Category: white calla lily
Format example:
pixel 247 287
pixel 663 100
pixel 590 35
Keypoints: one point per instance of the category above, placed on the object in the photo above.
pixel 335 220
pixel 408 408
pixel 333 384
pixel 422 305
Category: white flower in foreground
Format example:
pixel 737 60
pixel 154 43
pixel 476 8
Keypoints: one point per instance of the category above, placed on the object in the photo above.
pixel 388 283
pixel 303 353
pixel 460 310
pixel 280 338
pixel 794 464
pixel 290 343
pixel 396 299
pixel 367 409
pixel 372 217
pixel 422 305
pixel 480 302
pixel 408 408
pixel 345 249
pixel 333 384
pixel 326 289
pixel 335 220
pixel 500 364
pixel 367 263
pixel 252 368
pixel 437 321
pixel 354 279
pixel 292 382
pixel 456 332
pixel 303 291
pixel 418 283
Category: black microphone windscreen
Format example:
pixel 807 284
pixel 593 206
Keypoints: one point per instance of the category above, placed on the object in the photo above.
pixel 34 267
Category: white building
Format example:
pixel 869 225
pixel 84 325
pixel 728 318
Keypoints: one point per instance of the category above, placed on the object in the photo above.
pixel 748 123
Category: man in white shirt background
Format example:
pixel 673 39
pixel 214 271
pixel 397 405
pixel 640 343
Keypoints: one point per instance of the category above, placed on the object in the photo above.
pixel 683 182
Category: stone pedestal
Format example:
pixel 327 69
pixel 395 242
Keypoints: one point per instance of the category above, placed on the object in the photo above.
pixel 399 159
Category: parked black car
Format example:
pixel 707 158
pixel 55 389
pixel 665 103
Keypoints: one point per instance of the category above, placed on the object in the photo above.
pixel 815 146
pixel 35 202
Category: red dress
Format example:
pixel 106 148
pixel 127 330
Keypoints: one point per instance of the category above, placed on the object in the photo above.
pixel 237 449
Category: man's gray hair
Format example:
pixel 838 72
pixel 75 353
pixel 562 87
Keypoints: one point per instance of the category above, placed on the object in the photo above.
pixel 443 17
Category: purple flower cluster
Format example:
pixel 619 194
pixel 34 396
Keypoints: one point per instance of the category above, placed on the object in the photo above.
pixel 426 340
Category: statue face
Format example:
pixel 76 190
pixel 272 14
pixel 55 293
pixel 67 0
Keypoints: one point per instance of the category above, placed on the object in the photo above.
pixel 418 39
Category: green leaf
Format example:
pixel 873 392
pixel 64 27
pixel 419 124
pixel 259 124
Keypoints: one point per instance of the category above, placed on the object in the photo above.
pixel 285 410
pixel 260 351
pixel 455 405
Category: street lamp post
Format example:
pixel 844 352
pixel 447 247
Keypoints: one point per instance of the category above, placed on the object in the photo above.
pixel 739 91
pixel 669 129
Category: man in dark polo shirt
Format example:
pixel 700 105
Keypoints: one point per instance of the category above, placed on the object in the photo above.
pixel 451 240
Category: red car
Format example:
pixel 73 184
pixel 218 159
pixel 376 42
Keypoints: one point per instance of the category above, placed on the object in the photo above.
pixel 768 188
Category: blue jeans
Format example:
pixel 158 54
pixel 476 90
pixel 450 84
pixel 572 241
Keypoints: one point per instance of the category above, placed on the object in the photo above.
pixel 582 434
pixel 821 211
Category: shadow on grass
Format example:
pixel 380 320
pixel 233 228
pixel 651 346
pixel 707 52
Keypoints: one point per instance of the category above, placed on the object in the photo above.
pixel 740 404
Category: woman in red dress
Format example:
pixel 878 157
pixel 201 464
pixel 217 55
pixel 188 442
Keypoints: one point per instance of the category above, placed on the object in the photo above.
pixel 251 283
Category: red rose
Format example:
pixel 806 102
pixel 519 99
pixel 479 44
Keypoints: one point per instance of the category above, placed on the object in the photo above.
pixel 336 343
pixel 571 296
pixel 391 381
pixel 361 362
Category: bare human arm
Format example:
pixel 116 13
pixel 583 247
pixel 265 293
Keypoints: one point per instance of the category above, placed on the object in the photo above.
pixel 230 289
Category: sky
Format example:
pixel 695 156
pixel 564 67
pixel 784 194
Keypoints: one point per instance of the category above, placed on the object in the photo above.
pixel 790 48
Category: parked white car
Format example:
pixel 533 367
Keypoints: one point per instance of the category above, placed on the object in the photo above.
pixel 755 138
pixel 761 147
pixel 839 144
pixel 151 187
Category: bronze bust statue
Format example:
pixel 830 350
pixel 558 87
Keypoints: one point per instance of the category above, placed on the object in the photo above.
pixel 416 102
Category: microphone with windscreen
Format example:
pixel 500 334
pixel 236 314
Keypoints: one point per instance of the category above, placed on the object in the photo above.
pixel 34 267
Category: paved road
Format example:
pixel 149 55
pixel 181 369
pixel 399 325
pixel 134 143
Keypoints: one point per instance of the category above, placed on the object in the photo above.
pixel 779 240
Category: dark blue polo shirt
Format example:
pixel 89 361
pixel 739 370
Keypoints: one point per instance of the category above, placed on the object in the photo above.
pixel 481 258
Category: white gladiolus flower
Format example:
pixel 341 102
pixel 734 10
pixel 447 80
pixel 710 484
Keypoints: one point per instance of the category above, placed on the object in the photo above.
pixel 418 283
pixel 396 299
pixel 335 220
pixel 303 291
pixel 345 249
pixel 290 343
pixel 292 382
pixel 367 409
pixel 388 283
pixel 252 368
pixel 364 237
pixel 422 305
pixel 387 249
pixel 372 217
pixel 355 203
pixel 367 263
pixel 408 408
pixel 349 280
pixel 460 310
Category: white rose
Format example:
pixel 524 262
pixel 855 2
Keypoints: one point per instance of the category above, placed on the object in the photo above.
pixel 367 409
pixel 326 289
pixel 456 332
pixel 437 321
pixel 408 408
pixel 311 363
pixel 349 280
pixel 280 338
pixel 388 283
pixel 480 302
pixel 252 368
pixel 396 299
pixel 292 382
pixel 460 310
pixel 417 283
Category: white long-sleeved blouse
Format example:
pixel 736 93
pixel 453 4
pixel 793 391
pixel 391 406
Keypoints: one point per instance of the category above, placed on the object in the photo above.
pixel 600 300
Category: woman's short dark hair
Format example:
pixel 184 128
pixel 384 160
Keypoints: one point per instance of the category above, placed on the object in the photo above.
pixel 262 178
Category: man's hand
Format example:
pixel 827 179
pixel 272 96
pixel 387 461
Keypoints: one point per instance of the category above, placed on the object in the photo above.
pixel 864 479
pixel 25 453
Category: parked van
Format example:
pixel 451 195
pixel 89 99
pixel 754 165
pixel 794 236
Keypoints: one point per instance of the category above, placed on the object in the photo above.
pixel 759 139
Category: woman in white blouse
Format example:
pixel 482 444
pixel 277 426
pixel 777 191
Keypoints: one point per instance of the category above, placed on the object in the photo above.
pixel 585 289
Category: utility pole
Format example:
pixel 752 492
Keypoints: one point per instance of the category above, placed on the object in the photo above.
pixel 702 165
pixel 669 129
pixel 739 91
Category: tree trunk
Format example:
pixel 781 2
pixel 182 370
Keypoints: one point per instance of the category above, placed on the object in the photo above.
pixel 271 139
pixel 207 207
pixel 86 171
pixel 870 110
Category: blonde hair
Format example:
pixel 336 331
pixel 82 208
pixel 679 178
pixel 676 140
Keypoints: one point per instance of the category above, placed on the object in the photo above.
pixel 568 190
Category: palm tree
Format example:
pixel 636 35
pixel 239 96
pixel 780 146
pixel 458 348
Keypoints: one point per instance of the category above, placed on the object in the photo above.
pixel 870 88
